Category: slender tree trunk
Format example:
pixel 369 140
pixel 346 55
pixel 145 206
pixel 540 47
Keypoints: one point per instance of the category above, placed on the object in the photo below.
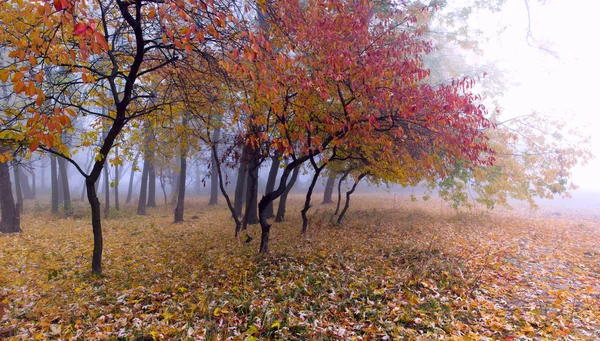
pixel 10 217
pixel 328 193
pixel 59 183
pixel 106 192
pixel 224 192
pixel 197 179
pixel 33 184
pixel 161 179
pixel 54 183
pixel 141 210
pixel 179 209
pixel 62 170
pixel 271 183
pixel 348 193
pixel 96 226
pixel 130 188
pixel 283 198
pixel 239 197
pixel 18 190
pixel 339 199
pixel 117 180
pixel 214 177
pixel 26 188
pixel 152 184
pixel 309 194
pixel 251 213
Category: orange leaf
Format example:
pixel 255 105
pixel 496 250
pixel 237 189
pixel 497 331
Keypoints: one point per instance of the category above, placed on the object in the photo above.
pixel 80 29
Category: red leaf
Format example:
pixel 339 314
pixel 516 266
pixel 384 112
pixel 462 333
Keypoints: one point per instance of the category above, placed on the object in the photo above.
pixel 80 29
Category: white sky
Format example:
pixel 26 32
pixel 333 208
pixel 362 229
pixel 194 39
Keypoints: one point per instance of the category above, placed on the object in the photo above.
pixel 567 85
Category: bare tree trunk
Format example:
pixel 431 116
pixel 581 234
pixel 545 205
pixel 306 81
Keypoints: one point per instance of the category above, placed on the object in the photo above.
pixel 26 189
pixel 152 184
pixel 133 167
pixel 106 192
pixel 251 213
pixel 328 193
pixel 141 210
pixel 96 226
pixel 309 193
pixel 283 198
pixel 18 190
pixel 224 192
pixel 239 197
pixel 33 183
pixel 10 218
pixel 54 183
pixel 182 178
pixel 271 183
pixel 117 180
pixel 214 177
pixel 62 169
pixel 161 179
pixel 339 221
pixel 339 200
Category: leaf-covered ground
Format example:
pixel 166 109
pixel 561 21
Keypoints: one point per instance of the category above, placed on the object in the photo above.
pixel 394 270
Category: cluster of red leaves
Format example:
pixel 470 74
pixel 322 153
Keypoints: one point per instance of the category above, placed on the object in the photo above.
pixel 393 271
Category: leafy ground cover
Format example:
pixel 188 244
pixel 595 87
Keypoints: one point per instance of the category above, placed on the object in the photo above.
pixel 394 270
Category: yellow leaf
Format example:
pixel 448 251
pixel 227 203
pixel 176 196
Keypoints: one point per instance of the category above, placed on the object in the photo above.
pixel 167 315
pixel 276 324
pixel 217 312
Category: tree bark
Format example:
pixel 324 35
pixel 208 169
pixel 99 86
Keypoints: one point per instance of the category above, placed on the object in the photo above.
pixel 328 193
pixel 240 184
pixel 10 218
pixel 214 177
pixel 117 180
pixel 54 183
pixel 251 213
pixel 141 210
pixel 309 194
pixel 130 188
pixel 33 184
pixel 339 199
pixel 106 192
pixel 151 183
pixel 62 169
pixel 271 183
pixel 27 190
pixel 283 198
pixel 96 226
pixel 18 190
pixel 348 193
pixel 182 178
pixel 224 192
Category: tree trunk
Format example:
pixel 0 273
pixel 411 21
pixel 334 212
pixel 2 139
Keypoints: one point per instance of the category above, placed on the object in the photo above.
pixel 271 183
pixel 62 169
pixel 182 178
pixel 283 198
pixel 214 177
pixel 10 218
pixel 224 192
pixel 240 184
pixel 161 179
pixel 106 192
pixel 130 189
pixel 141 210
pixel 328 193
pixel 251 213
pixel 27 190
pixel 96 226
pixel 339 200
pixel 54 183
pixel 339 221
pixel 152 184
pixel 19 192
pixel 309 194
pixel 116 180
pixel 33 183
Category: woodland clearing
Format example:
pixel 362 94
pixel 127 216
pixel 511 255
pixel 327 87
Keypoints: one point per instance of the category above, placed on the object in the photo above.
pixel 395 269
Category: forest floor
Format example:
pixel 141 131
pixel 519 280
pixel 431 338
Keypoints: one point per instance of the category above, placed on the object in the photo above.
pixel 394 270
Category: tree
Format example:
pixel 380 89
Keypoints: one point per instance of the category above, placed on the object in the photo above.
pixel 107 52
